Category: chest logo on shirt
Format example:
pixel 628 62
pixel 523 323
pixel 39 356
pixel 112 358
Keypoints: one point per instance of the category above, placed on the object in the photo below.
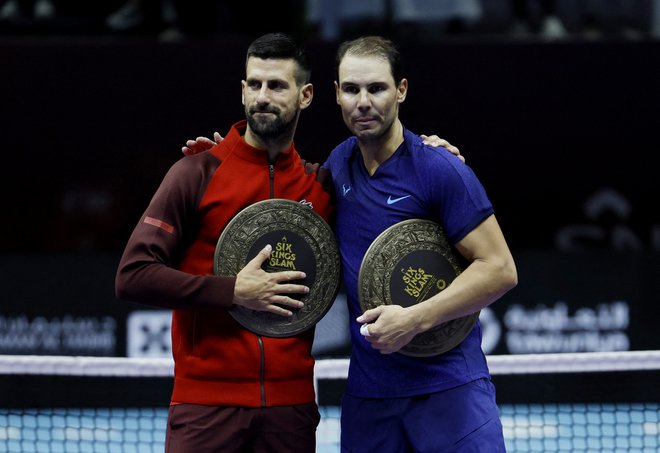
pixel 345 189
pixel 391 200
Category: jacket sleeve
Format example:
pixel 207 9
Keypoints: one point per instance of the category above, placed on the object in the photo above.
pixel 147 270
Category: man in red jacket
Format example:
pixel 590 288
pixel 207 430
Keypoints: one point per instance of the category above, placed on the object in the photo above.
pixel 234 390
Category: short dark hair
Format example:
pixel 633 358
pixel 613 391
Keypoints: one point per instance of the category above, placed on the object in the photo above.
pixel 373 46
pixel 284 47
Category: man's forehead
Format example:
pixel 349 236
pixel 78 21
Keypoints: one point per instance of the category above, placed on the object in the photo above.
pixel 364 69
pixel 280 66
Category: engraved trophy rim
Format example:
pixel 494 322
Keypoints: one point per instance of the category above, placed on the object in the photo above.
pixel 381 260
pixel 248 227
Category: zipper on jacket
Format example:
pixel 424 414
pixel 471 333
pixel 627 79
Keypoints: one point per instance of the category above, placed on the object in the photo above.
pixel 262 373
pixel 262 352
pixel 271 170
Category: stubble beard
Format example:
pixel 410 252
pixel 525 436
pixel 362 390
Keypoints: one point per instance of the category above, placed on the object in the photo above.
pixel 373 135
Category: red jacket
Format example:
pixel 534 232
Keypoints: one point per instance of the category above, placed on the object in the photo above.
pixel 168 262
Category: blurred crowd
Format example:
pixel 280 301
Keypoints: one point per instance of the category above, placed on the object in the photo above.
pixel 331 20
pixel 436 19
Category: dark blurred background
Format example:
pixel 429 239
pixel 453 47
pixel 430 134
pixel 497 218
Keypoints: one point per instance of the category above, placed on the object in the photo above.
pixel 553 103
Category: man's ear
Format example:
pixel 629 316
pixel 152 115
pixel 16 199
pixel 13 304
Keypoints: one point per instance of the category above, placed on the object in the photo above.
pixel 402 90
pixel 243 83
pixel 337 92
pixel 306 95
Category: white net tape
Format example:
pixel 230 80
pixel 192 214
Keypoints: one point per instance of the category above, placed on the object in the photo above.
pixel 85 366
pixel 581 362
pixel 626 424
pixel 333 368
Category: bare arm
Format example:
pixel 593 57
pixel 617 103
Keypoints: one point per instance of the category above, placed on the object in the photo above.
pixel 490 274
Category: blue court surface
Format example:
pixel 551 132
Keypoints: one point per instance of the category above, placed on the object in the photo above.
pixel 588 428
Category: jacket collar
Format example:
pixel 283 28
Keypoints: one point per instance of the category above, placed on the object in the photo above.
pixel 235 144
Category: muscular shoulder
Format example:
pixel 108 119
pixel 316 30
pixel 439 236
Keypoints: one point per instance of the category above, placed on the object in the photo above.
pixel 435 163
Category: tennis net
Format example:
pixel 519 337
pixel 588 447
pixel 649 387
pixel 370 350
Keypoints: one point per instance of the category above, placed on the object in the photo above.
pixel 583 402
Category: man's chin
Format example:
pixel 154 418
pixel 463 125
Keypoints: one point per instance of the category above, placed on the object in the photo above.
pixel 270 129
pixel 265 128
pixel 366 134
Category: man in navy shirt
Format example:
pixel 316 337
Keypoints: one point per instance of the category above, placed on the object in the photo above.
pixel 383 175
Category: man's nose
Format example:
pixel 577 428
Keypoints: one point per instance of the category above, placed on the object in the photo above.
pixel 364 101
pixel 263 96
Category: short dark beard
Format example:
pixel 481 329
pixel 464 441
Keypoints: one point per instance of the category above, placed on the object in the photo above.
pixel 271 129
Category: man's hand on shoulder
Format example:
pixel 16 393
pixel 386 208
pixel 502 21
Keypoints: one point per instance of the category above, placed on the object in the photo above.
pixel 201 144
pixel 435 141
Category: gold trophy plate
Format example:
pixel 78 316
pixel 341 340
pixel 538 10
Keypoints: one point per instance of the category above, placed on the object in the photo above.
pixel 302 241
pixel 408 263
